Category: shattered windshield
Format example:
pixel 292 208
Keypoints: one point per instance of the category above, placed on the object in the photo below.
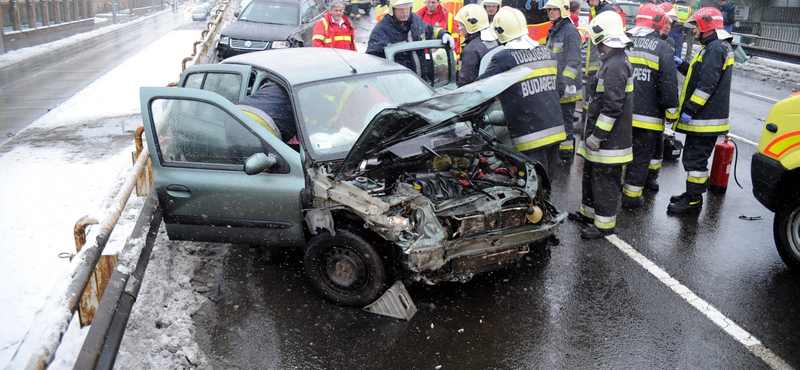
pixel 335 112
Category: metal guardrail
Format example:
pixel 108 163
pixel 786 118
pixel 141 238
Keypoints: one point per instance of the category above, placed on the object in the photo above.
pixel 780 41
pixel 101 345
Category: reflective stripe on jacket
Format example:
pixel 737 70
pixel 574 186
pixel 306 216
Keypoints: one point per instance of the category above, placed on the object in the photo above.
pixel 707 89
pixel 655 80
pixel 610 115
pixel 565 41
pixel 329 34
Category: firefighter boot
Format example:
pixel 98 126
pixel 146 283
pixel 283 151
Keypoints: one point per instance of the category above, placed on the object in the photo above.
pixel 577 216
pixel 686 203
pixel 652 180
pixel 632 202
pixel 592 232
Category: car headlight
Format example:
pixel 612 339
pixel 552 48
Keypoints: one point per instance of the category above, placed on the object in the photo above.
pixel 224 40
pixel 280 44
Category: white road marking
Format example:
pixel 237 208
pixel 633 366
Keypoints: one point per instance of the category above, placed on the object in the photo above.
pixel 757 96
pixel 742 336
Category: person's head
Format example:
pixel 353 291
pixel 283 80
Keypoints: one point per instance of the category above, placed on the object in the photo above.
pixel 651 16
pixel 336 7
pixel 575 6
pixel 706 21
pixel 492 6
pixel 509 24
pixel 431 5
pixel 401 9
pixel 473 18
pixel 606 30
pixel 722 2
pixel 557 9
pixel 672 17
pixel 594 3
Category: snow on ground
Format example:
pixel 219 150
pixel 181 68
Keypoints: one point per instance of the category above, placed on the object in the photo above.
pixel 68 164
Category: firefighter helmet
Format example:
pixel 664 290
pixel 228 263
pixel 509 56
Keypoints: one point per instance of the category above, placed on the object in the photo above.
pixel 399 4
pixel 492 2
pixel 651 16
pixel 474 18
pixel 509 24
pixel 670 10
pixel 607 28
pixel 706 19
pixel 561 5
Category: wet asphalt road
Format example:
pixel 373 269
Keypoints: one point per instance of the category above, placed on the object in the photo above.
pixel 589 305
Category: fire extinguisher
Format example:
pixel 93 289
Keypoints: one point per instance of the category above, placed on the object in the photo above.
pixel 721 166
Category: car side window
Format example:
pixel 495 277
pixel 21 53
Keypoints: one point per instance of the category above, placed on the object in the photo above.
pixel 225 84
pixel 191 133
pixel 309 10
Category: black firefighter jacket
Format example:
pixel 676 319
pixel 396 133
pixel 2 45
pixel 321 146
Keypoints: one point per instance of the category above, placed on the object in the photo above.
pixel 388 32
pixel 531 105
pixel 655 80
pixel 707 89
pixel 610 99
pixel 565 41
pixel 471 57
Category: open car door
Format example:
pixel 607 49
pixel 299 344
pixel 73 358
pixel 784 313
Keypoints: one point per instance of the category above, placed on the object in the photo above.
pixel 232 81
pixel 440 61
pixel 202 148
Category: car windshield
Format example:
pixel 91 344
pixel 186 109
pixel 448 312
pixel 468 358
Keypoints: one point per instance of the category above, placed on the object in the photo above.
pixel 334 113
pixel 272 13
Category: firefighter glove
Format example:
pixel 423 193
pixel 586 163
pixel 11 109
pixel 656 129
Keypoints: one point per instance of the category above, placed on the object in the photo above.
pixel 447 39
pixel 686 117
pixel 593 143
pixel 678 60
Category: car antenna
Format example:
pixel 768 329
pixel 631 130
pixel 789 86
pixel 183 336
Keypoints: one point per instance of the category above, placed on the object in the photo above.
pixel 345 60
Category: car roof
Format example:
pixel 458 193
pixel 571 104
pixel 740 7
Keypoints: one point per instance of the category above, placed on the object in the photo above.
pixel 303 65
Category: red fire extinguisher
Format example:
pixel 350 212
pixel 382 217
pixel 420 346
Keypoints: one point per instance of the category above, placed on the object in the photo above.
pixel 721 166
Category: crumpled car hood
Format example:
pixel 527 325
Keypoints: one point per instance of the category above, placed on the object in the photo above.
pixel 393 125
pixel 244 30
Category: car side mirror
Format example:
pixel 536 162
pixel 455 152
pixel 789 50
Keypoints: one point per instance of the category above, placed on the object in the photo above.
pixel 258 163
pixel 236 14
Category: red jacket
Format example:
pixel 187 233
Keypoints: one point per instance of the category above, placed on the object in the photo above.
pixel 574 18
pixel 328 34
pixel 442 19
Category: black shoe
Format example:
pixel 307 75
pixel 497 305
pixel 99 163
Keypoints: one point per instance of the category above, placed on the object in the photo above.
pixel 576 216
pixel 632 202
pixel 651 184
pixel 565 155
pixel 687 204
pixel 677 198
pixel 592 232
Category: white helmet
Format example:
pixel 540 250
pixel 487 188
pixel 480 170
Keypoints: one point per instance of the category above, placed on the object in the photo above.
pixel 509 24
pixel 607 28
pixel 492 2
pixel 399 4
pixel 562 5
pixel 474 18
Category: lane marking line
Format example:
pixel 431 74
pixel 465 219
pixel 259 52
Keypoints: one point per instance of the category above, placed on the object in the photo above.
pixel 756 96
pixel 742 336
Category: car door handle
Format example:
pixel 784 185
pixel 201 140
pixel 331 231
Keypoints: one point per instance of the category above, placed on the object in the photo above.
pixel 179 191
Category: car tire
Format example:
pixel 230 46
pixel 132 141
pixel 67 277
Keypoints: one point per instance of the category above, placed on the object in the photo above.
pixel 786 230
pixel 345 268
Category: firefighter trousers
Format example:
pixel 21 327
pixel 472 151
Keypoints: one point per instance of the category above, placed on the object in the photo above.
pixel 645 143
pixel 695 161
pixel 547 156
pixel 658 158
pixel 568 113
pixel 600 195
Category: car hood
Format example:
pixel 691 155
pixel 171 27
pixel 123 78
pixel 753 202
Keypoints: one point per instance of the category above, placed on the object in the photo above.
pixel 244 30
pixel 394 125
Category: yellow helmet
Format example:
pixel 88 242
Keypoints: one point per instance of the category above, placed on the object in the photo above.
pixel 509 24
pixel 492 2
pixel 474 18
pixel 560 5
pixel 399 4
pixel 607 28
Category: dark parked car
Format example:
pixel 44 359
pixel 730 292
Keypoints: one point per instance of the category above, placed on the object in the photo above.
pixel 270 24
pixel 391 181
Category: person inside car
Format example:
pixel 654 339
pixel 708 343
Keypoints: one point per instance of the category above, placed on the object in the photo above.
pixel 271 107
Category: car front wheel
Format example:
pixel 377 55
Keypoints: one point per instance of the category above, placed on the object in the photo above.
pixel 786 231
pixel 345 268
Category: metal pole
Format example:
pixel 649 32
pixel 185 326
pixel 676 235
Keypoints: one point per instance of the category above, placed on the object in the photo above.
pixel 114 11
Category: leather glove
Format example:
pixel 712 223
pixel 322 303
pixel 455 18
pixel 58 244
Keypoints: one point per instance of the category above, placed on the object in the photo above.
pixel 593 143
pixel 571 89
pixel 678 60
pixel 447 39
pixel 686 117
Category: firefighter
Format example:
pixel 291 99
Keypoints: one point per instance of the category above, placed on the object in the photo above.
pixel 683 11
pixel 534 129
pixel 606 147
pixel 655 80
pixel 271 107
pixel 704 104
pixel 478 40
pixel 565 41
pixel 334 29
pixel 404 25
pixel 491 7
pixel 434 14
